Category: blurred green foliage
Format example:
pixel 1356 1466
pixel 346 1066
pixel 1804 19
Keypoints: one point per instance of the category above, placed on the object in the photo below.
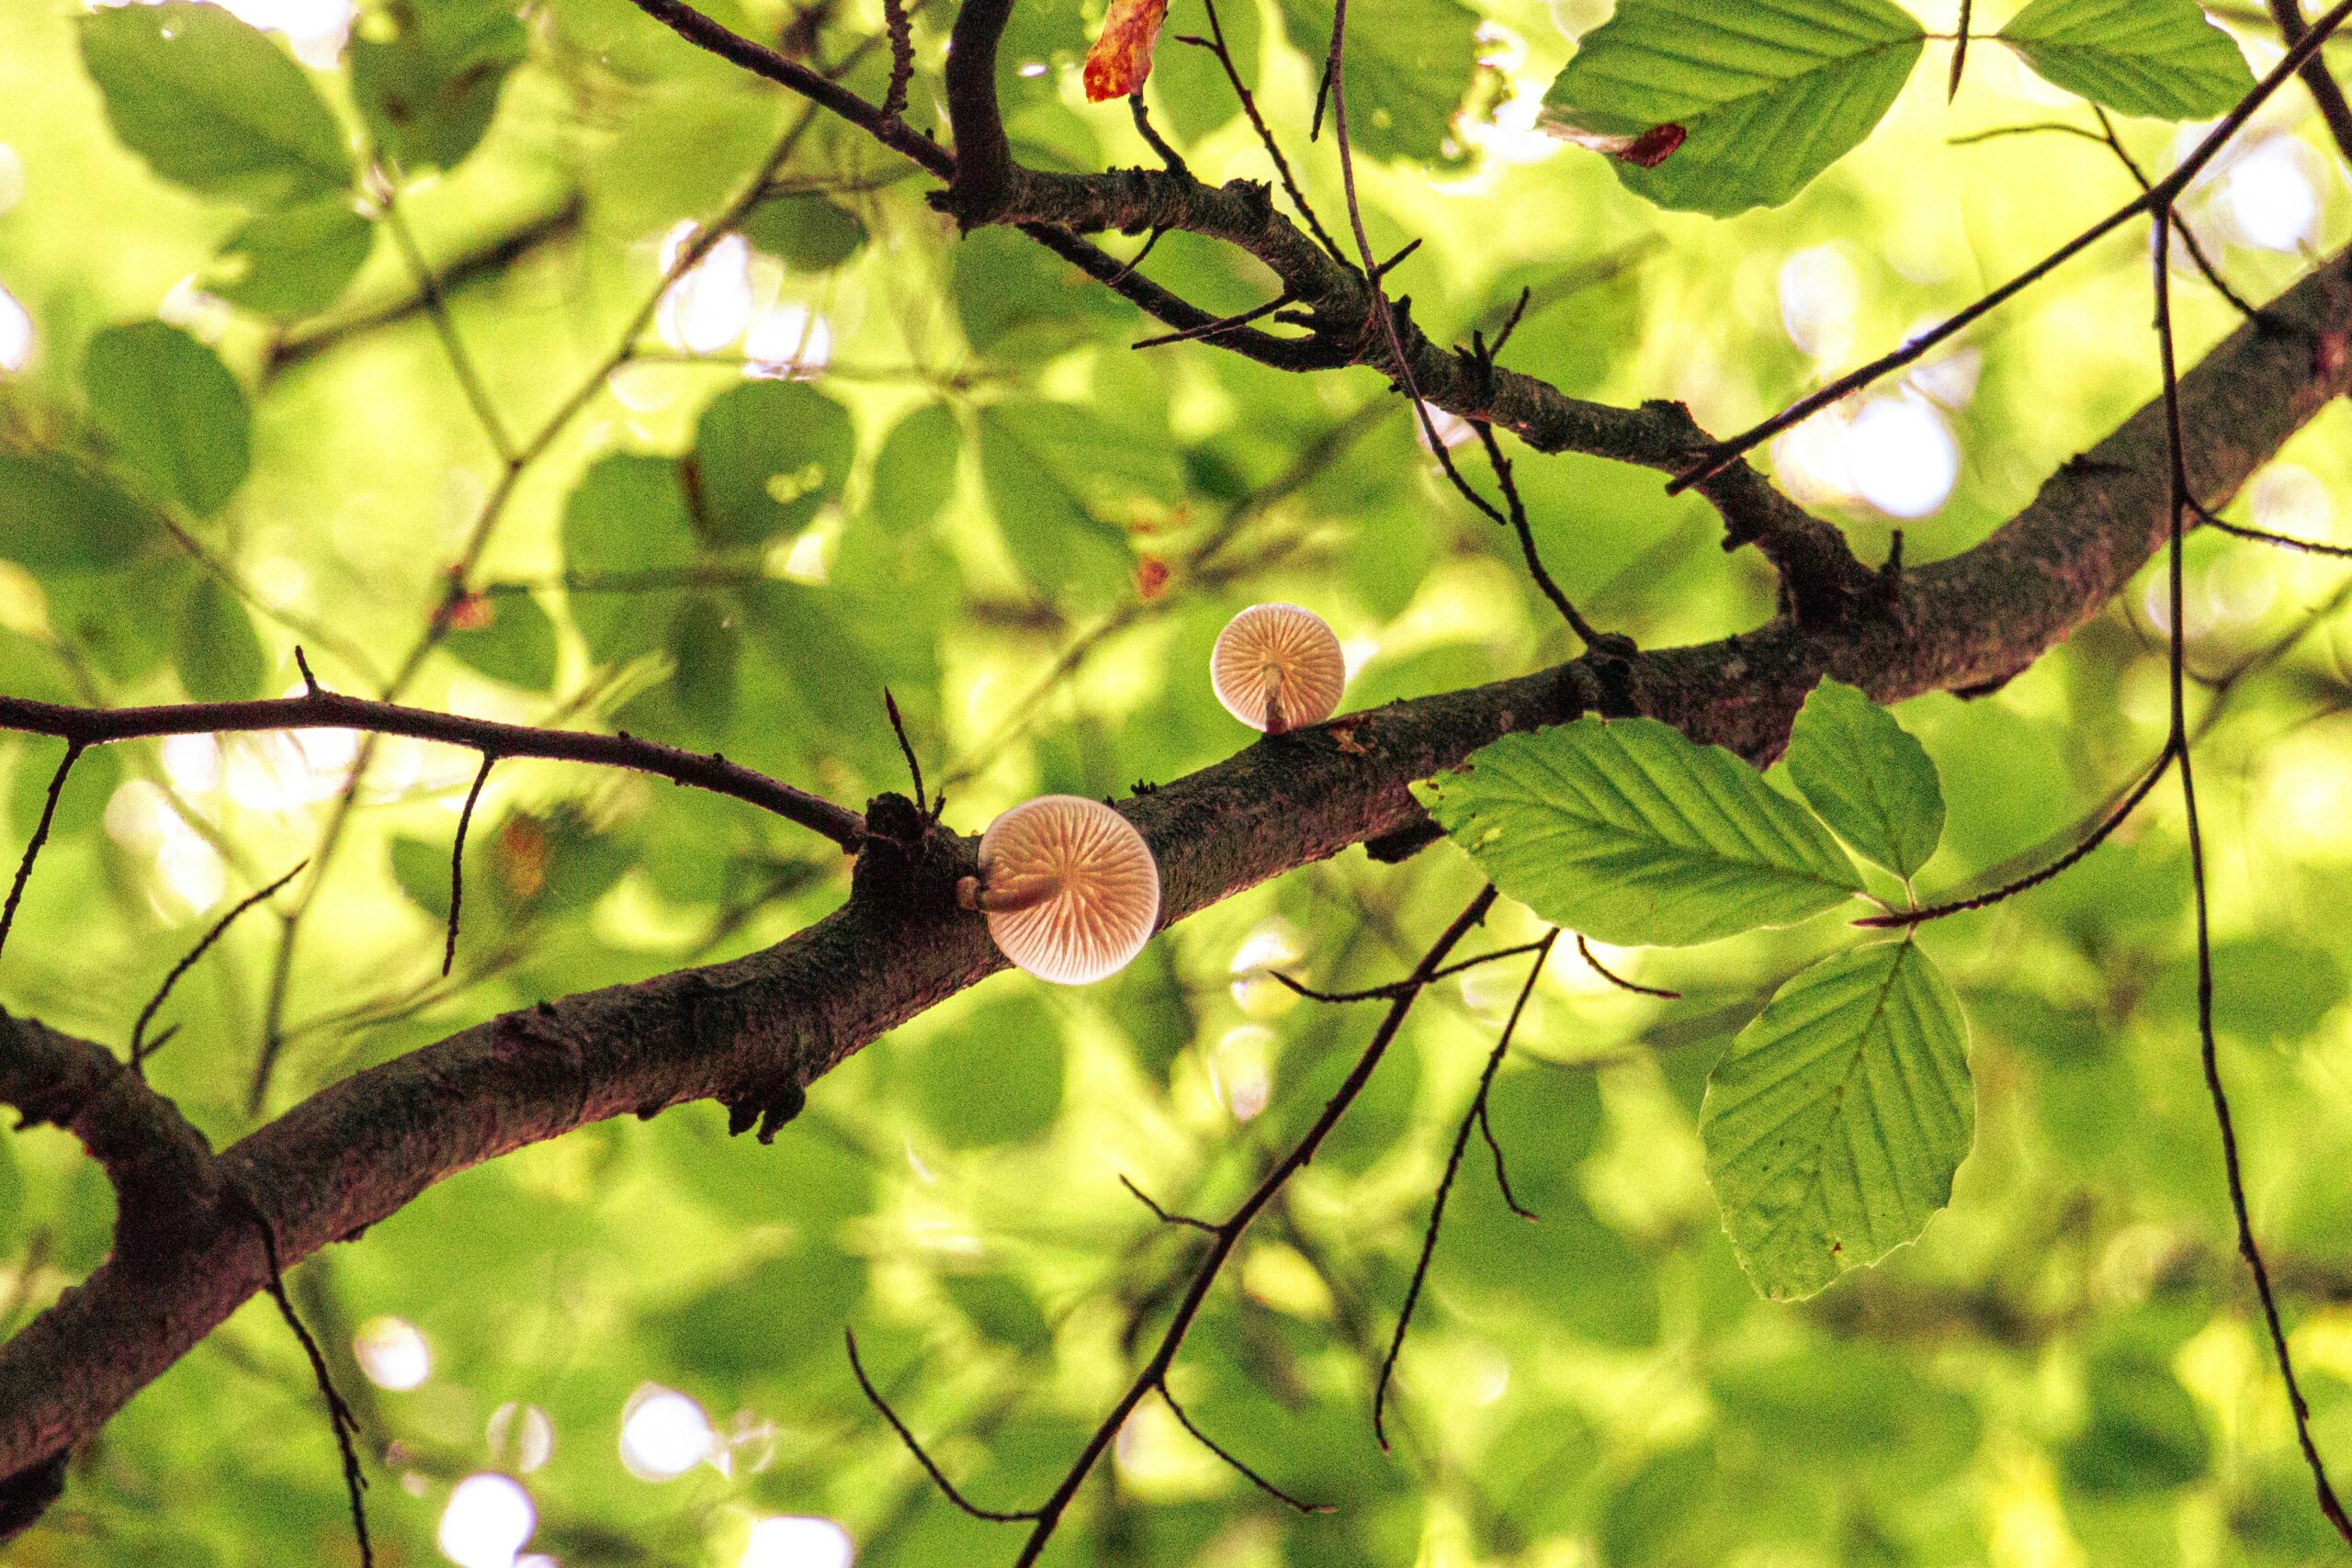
pixel 853 449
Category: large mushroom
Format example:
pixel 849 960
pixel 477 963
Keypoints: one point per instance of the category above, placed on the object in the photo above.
pixel 1277 667
pixel 1070 889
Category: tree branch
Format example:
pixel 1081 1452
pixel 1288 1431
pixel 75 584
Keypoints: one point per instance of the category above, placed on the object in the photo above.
pixel 2318 80
pixel 318 709
pixel 754 1033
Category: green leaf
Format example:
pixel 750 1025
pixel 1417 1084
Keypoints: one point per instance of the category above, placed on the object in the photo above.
pixel 767 454
pixel 296 261
pixel 1056 475
pixel 214 650
pixel 1769 94
pixel 421 867
pixel 808 234
pixel 1407 63
pixel 1001 1307
pixel 509 638
pixel 625 517
pixel 1017 300
pixel 82 802
pixel 1869 780
pixel 707 649
pixel 782 1314
pixel 12 1198
pixel 1189 90
pixel 56 518
pixel 2158 58
pixel 429 88
pixel 914 474
pixel 213 104
pixel 2146 1433
pixel 1624 830
pixel 1835 1122
pixel 172 410
pixel 1022 1041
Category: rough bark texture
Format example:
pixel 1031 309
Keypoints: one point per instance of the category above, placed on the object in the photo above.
pixel 755 1032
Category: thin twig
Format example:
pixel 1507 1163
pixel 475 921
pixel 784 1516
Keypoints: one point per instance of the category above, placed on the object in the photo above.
pixel 1229 1234
pixel 1251 1476
pixel 1218 328
pixel 2263 535
pixel 1135 260
pixel 906 746
pixel 1165 1216
pixel 2179 744
pixel 1959 51
pixel 457 861
pixel 140 1049
pixel 445 327
pixel 1215 43
pixel 2187 236
pixel 902 58
pixel 1336 86
pixel 85 726
pixel 2321 85
pixel 1395 988
pixel 1904 918
pixel 1474 1116
pixel 41 835
pixel 1517 508
pixel 939 1478
pixel 339 1414
pixel 1145 129
pixel 1584 951
pixel 1722 454
pixel 1502 1168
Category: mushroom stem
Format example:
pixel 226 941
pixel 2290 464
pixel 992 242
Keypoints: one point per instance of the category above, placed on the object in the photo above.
pixel 1010 896
pixel 1270 677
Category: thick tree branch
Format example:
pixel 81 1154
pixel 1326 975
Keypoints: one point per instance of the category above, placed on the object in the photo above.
pixel 756 1031
pixel 163 1173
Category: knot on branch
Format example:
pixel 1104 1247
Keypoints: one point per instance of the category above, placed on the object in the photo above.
pixel 167 1182
pixel 769 1111
pixel 26 1495
pixel 908 864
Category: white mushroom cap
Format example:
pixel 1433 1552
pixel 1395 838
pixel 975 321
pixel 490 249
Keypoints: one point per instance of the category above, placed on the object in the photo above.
pixel 1069 887
pixel 1277 667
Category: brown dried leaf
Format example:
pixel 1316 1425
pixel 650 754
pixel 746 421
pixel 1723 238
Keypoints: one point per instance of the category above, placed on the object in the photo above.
pixel 1121 58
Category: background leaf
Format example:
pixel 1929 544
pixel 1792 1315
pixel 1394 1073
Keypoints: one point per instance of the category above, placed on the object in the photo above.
pixel 1055 474
pixel 1408 63
pixel 215 651
pixel 1869 780
pixel 1834 1123
pixel 2159 58
pixel 170 408
pixel 1770 95
pixel 426 75
pixel 767 454
pixel 507 636
pixel 213 104
pixel 808 234
pixel 54 516
pixel 626 518
pixel 1624 830
pixel 296 262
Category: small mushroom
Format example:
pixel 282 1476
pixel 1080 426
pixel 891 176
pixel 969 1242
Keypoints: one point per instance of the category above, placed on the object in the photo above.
pixel 1277 667
pixel 1069 889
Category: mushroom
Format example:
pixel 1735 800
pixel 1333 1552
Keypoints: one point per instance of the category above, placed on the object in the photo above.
pixel 1277 667
pixel 1069 889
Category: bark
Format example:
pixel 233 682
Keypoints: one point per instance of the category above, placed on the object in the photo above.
pixel 755 1033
